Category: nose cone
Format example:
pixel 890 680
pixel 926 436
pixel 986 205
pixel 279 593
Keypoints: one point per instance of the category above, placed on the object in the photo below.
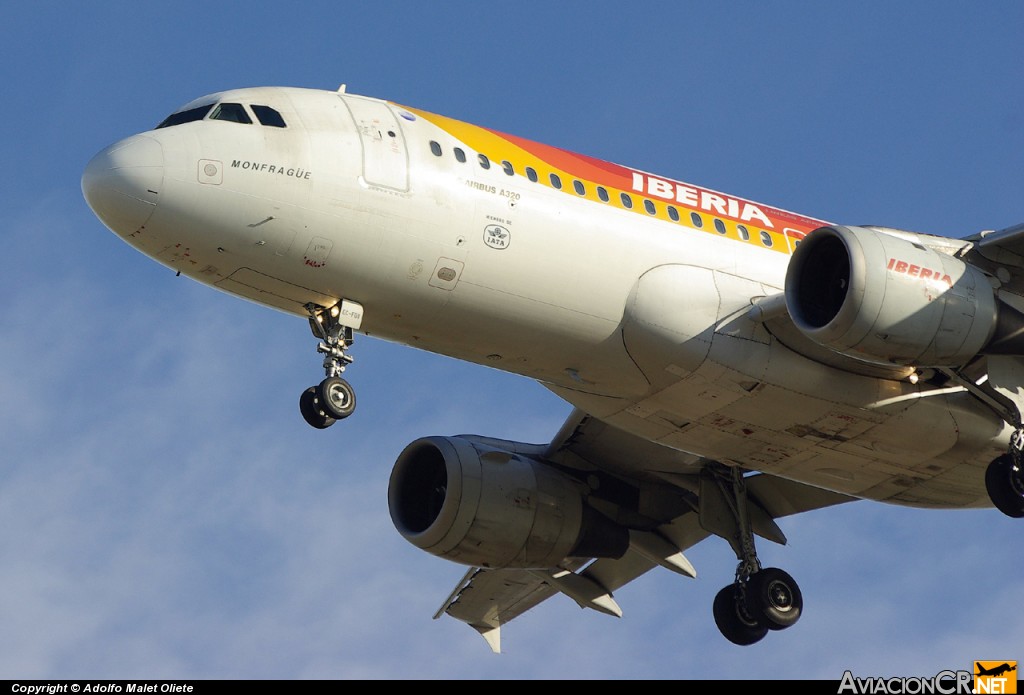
pixel 122 183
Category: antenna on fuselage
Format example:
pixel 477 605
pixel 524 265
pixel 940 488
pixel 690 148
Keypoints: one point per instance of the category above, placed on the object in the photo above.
pixel 341 88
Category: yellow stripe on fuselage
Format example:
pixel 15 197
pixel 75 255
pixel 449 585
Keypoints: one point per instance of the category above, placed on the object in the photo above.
pixel 782 228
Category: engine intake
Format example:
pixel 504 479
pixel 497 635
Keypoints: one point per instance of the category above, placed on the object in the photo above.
pixel 885 298
pixel 469 502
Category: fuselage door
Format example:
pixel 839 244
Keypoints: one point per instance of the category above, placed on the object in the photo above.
pixel 385 160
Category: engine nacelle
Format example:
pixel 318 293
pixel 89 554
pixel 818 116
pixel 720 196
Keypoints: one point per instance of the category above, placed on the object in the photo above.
pixel 469 502
pixel 884 298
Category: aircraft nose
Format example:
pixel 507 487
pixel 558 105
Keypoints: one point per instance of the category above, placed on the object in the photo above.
pixel 122 182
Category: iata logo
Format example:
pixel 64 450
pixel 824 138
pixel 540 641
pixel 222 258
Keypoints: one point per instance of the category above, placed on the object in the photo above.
pixel 926 274
pixel 995 676
pixel 497 237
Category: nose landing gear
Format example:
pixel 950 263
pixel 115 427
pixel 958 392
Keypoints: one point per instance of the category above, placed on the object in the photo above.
pixel 333 398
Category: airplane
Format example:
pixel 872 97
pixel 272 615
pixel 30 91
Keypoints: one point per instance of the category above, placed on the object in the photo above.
pixel 997 670
pixel 728 362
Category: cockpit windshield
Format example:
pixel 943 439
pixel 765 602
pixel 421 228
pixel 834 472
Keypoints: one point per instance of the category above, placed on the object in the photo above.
pixel 226 111
pixel 230 112
pixel 268 116
pixel 195 114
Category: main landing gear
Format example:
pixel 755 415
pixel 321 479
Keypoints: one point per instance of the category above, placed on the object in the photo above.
pixel 747 609
pixel 1004 479
pixel 333 398
pixel 759 599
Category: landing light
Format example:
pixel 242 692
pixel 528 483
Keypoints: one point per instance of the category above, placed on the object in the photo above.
pixel 926 374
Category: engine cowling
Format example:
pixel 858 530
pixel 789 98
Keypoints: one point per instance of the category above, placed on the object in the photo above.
pixel 884 298
pixel 469 502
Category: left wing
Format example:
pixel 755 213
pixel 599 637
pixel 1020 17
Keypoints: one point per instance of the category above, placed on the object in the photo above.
pixel 487 599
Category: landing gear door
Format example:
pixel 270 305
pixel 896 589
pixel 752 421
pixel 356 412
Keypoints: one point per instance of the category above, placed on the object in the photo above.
pixel 1006 376
pixel 385 159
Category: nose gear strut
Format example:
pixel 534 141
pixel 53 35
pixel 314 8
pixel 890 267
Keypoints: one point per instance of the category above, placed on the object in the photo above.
pixel 333 398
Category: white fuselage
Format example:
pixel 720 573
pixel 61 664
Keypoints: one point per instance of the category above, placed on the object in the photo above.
pixel 640 320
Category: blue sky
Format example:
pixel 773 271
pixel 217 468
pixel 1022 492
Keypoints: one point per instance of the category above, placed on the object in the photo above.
pixel 165 511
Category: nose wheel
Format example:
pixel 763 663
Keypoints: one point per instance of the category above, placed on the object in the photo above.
pixel 333 398
pixel 311 407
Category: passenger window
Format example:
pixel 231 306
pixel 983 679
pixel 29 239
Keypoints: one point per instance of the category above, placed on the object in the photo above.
pixel 766 238
pixel 627 202
pixel 460 155
pixel 531 174
pixel 196 114
pixel 649 207
pixel 268 116
pixel 555 181
pixel 719 226
pixel 507 166
pixel 435 147
pixel 578 187
pixel 485 163
pixel 697 220
pixel 230 112
pixel 602 193
pixel 744 234
pixel 673 214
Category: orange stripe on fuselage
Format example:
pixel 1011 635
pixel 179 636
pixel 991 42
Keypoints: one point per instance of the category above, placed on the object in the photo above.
pixel 783 227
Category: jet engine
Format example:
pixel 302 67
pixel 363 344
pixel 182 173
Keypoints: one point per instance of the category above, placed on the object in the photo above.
pixel 883 297
pixel 465 500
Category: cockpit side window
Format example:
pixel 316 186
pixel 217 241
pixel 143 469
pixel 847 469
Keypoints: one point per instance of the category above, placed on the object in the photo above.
pixel 230 112
pixel 268 116
pixel 196 114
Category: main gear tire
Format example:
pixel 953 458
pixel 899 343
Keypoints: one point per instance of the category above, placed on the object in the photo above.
pixel 1004 480
pixel 733 620
pixel 774 599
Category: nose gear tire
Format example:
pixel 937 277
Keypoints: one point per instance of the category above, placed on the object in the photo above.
pixel 337 397
pixel 313 411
